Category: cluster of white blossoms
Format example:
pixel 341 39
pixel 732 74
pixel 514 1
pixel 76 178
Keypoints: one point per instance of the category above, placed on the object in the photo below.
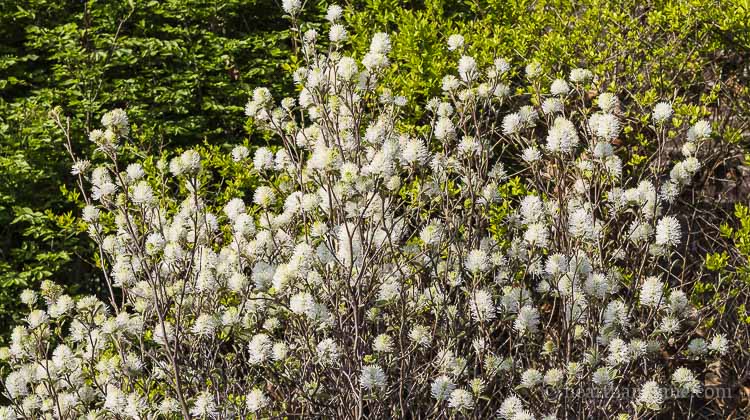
pixel 380 272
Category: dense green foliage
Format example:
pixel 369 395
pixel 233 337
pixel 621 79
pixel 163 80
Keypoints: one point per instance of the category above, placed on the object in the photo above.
pixel 654 50
pixel 180 68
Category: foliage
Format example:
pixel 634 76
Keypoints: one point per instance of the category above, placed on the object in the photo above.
pixel 681 50
pixel 181 68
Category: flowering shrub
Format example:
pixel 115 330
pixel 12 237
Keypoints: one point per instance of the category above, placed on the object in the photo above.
pixel 379 272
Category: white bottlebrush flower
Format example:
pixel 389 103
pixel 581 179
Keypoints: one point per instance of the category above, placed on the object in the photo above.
pixel 230 317
pixel 603 377
pixel 537 235
pixel 444 129
pixel 117 121
pixel 668 232
pixel 669 191
pixel 327 352
pixel 531 154
pixel 651 396
pixel 467 68
pixel 372 377
pixel 501 90
pixel 616 314
pixel 259 349
pixel 346 69
pixel 414 152
pixel 115 400
pixel 559 87
pixel 234 208
pixel 652 292
pixel 556 264
pixel 291 6
pixel 682 172
pixel 469 146
pixel 334 13
pixel 288 103
pixel 685 380
pixel 461 400
pixel 135 172
pixel 279 351
pixel 444 109
pixel 638 348
pixel 420 335
pixel 80 167
pixel 256 400
pixel 36 318
pixel 501 65
pixel 263 159
pixel 662 112
pixel 697 347
pixel 28 297
pixel 441 388
pixel 529 115
pixel 477 261
pixel 142 194
pixel 455 42
pixel 597 285
pixel 619 352
pixel 302 303
pixel 389 290
pixel 554 377
pixel 606 126
pixel 527 321
pixel 373 62
pixel 512 124
pixel 639 231
pixel 603 150
pixel 264 196
pixel 477 386
pixel 689 149
pixel 562 136
pixel 579 75
pixel 204 406
pixel 380 43
pixel 552 106
pixel 719 344
pixel 337 33
pixel 700 131
pixel 450 83
pixel 532 209
pixel 510 407
pixel 531 378
pixel 204 325
pixel 90 214
pixel 669 325
pixel 431 233
pixel 678 302
pixel 383 343
pixel 533 70
pixel 155 243
pixel 607 102
pixel 482 306
pixel 168 406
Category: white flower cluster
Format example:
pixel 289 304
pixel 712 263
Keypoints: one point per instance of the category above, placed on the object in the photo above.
pixel 377 272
